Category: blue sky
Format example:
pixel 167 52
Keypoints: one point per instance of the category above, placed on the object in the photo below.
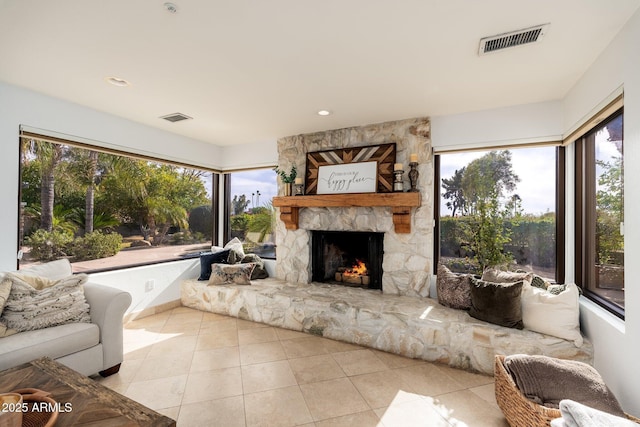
pixel 250 182
pixel 534 166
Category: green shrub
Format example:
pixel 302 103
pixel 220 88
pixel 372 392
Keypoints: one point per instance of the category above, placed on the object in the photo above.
pixel 240 225
pixel 48 245
pixel 187 237
pixel 95 245
pixel 455 236
pixel 462 265
pixel 532 239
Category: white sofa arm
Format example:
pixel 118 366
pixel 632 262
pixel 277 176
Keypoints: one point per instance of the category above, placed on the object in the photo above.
pixel 107 311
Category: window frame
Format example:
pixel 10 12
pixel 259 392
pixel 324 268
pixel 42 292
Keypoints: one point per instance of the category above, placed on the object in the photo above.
pixel 226 225
pixel 560 171
pixel 215 203
pixel 585 208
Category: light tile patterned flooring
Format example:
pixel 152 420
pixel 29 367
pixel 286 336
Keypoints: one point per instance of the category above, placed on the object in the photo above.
pixel 204 369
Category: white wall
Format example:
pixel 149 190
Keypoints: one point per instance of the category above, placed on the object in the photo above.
pixel 261 154
pixel 166 278
pixel 616 342
pixel 520 124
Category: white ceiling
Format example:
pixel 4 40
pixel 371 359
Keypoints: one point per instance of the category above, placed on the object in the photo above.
pixel 249 71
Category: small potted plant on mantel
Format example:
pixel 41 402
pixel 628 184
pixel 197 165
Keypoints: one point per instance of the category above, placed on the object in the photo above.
pixel 287 179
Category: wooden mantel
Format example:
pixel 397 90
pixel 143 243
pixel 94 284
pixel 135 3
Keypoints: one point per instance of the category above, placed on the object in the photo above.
pixel 400 204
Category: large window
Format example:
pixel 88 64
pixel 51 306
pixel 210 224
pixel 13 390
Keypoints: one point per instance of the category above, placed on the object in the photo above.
pixel 251 214
pixel 600 213
pixel 499 208
pixel 106 210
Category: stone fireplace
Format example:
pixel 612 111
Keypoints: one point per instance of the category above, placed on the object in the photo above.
pixel 348 258
pixel 407 261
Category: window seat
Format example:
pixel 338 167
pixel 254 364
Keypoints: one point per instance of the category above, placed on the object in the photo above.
pixel 418 328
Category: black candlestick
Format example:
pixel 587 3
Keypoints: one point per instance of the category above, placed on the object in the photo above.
pixel 413 176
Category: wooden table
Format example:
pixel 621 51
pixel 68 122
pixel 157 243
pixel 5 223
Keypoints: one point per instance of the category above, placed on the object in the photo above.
pixel 90 403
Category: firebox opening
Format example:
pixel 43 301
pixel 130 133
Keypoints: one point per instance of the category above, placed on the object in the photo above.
pixel 351 258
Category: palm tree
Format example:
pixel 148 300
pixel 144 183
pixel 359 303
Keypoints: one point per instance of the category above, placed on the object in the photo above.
pixel 90 193
pixel 263 221
pixel 49 155
pixel 161 215
pixel 61 220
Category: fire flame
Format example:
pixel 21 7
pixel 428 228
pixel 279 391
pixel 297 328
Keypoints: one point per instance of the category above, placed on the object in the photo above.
pixel 358 269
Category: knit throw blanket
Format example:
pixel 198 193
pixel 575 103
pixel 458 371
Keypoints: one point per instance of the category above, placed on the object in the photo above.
pixel 575 414
pixel 546 381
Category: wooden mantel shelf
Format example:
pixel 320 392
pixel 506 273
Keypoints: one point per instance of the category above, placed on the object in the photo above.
pixel 400 204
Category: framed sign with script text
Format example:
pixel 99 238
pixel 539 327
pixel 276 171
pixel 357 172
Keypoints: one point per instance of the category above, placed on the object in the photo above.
pixel 348 178
pixel 384 155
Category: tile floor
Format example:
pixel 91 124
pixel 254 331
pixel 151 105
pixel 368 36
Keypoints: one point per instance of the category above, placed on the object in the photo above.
pixel 204 369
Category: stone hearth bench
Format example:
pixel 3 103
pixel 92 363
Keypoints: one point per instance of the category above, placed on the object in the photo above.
pixel 418 328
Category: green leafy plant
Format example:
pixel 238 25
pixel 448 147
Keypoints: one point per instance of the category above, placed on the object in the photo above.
pixel 490 234
pixel 240 224
pixel 95 245
pixel 263 221
pixel 476 192
pixel 48 245
pixel 287 178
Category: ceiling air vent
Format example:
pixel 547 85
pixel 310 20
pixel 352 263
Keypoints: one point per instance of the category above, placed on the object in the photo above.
pixel 176 117
pixel 512 39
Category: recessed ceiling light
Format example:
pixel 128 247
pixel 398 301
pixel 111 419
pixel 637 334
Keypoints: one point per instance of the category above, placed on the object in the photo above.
pixel 116 81
pixel 324 112
pixel 170 7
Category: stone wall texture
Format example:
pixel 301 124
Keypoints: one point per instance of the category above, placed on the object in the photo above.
pixel 408 258
pixel 419 328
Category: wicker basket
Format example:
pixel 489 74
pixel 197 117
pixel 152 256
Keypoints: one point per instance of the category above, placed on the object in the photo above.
pixel 517 409
pixel 30 418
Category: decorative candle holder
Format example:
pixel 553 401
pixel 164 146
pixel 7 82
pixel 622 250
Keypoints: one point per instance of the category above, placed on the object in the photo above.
pixel 299 189
pixel 398 185
pixel 413 176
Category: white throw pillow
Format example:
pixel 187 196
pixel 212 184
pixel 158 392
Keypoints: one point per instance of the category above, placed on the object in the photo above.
pixel 54 270
pixel 237 251
pixel 556 315
pixel 36 302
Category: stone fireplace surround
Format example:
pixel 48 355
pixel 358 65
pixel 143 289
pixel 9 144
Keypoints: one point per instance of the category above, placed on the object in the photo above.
pixel 401 319
pixel 408 258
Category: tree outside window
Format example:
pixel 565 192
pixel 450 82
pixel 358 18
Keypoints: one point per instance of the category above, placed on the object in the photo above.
pixel 86 205
pixel 498 209
pixel 252 217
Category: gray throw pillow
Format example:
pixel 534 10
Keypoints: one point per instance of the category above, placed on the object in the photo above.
pixel 499 276
pixel 498 303
pixel 259 272
pixel 454 290
pixel 240 274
